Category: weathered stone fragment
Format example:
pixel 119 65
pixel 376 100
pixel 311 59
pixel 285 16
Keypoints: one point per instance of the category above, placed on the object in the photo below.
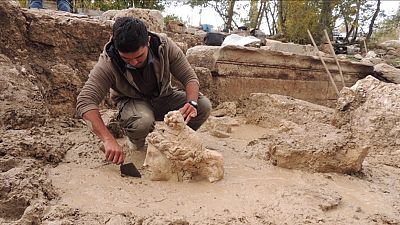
pixel 278 46
pixel 319 148
pixel 175 152
pixel 389 72
pixel 220 126
pixel 371 111
pixel 176 27
pixel 300 135
pixel 152 18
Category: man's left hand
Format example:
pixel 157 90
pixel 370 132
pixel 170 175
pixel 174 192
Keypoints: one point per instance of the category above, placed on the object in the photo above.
pixel 188 112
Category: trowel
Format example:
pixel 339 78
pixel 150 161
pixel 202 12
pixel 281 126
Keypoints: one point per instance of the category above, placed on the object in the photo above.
pixel 127 169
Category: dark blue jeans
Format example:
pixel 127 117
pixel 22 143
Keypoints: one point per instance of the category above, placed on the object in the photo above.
pixel 62 5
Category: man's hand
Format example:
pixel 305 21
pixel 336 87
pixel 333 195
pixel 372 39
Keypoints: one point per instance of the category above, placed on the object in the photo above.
pixel 111 148
pixel 113 151
pixel 188 112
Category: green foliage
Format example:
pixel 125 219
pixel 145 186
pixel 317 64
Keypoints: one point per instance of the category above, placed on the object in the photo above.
pixel 253 12
pixel 172 17
pixel 105 5
pixel 388 29
pixel 194 3
pixel 23 3
pixel 300 16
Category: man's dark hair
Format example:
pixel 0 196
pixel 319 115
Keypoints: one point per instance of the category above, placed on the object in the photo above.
pixel 129 34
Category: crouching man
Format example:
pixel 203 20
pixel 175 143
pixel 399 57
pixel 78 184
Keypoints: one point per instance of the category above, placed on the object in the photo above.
pixel 136 66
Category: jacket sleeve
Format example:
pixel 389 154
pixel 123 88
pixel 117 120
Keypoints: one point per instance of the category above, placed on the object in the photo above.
pixel 179 65
pixel 96 87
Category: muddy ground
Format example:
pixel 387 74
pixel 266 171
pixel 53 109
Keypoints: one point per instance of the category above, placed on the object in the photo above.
pixel 55 174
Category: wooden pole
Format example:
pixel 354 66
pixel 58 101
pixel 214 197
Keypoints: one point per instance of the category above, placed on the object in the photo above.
pixel 365 46
pixel 334 55
pixel 323 62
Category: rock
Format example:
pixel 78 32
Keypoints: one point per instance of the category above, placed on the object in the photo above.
pixel 390 44
pixel 370 110
pixel 225 109
pixel 200 33
pixel 390 73
pixel 191 30
pixel 183 46
pixel 67 31
pixel 352 50
pixel 321 148
pixel 372 58
pixel 393 53
pixel 372 61
pixel 219 126
pixel 358 56
pixel 300 135
pixel 203 56
pixel 176 27
pixel 370 54
pixel 205 79
pixel 152 18
pixel 189 39
pixel 273 45
pixel 175 152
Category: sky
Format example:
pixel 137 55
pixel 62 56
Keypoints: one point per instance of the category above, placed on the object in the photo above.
pixel 196 16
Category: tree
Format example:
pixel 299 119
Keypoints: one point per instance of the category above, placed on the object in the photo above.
pixel 224 8
pixel 256 13
pixel 326 19
pixel 271 16
pixel 253 14
pixel 282 8
pixel 371 24
pixel 388 29
pixel 295 17
pixel 105 5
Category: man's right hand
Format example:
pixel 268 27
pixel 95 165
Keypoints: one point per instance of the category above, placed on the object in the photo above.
pixel 113 151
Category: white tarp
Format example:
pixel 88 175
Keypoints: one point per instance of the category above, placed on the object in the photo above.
pixel 235 39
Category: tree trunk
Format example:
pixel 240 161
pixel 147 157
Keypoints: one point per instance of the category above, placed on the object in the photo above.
pixel 281 17
pixel 272 12
pixel 371 25
pixel 230 14
pixel 354 25
pixel 261 13
pixel 253 14
pixel 325 18
pixel 326 15
pixel 268 24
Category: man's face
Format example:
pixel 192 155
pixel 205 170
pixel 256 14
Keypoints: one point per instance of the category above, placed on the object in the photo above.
pixel 136 59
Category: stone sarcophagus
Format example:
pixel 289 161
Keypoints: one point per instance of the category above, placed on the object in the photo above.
pixel 175 152
pixel 237 71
